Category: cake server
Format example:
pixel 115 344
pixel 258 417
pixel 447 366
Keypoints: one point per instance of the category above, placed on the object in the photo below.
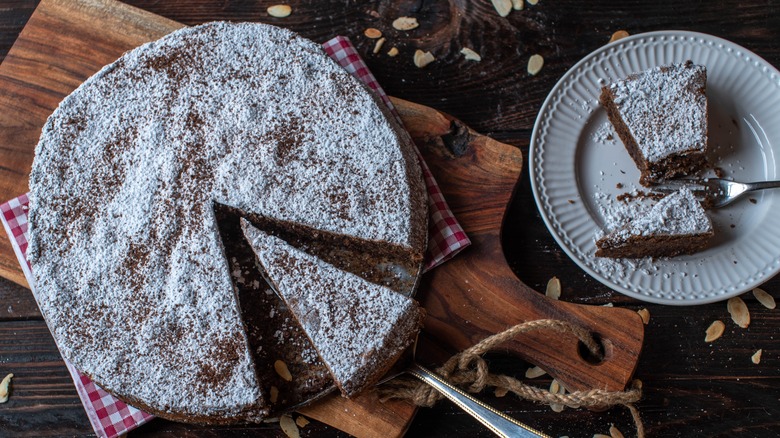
pixel 715 192
pixel 496 421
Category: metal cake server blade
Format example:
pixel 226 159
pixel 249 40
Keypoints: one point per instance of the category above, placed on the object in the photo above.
pixel 496 421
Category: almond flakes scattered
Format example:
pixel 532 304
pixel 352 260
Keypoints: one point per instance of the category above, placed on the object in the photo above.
pixel 518 5
pixel 274 394
pixel 405 23
pixel 619 35
pixel 764 298
pixel 392 52
pixel 614 432
pixel 372 33
pixel 288 427
pixel 4 387
pixel 533 2
pixel 534 372
pixel 503 7
pixel 501 392
pixel 378 46
pixel 714 331
pixel 756 357
pixel 645 315
pixel 557 388
pixel 279 11
pixel 553 288
pixel 421 59
pixel 282 370
pixel 535 64
pixel 739 312
pixel 470 54
pixel 301 421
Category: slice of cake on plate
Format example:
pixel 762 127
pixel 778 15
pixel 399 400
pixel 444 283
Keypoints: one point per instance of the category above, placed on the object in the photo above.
pixel 661 117
pixel 358 328
pixel 676 225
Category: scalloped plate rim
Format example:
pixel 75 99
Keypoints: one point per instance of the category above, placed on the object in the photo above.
pixel 547 112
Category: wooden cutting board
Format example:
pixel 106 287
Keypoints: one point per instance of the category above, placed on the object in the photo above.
pixel 474 295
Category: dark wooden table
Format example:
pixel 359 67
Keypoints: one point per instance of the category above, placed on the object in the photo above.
pixel 691 388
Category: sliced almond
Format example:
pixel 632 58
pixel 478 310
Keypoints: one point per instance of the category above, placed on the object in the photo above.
pixel 4 387
pixel 470 54
pixel 279 11
pixel 636 384
pixel 600 435
pixel 764 298
pixel 739 312
pixel 501 392
pixel 534 372
pixel 535 63
pixel 378 46
pixel 518 5
pixel 556 388
pixel 608 305
pixel 421 59
pixel 714 331
pixel 553 288
pixel 645 315
pixel 392 52
pixel 532 2
pixel 405 23
pixel 503 7
pixel 302 421
pixel 288 427
pixel 282 370
pixel 372 33
pixel 614 432
pixel 274 394
pixel 756 357
pixel 619 35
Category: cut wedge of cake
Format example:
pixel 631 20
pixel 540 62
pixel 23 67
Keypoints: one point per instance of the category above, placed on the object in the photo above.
pixel 676 225
pixel 661 117
pixel 358 328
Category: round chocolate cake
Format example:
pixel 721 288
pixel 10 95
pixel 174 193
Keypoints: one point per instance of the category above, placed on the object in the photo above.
pixel 126 253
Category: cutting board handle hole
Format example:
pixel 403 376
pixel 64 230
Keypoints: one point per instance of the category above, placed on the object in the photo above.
pixel 588 356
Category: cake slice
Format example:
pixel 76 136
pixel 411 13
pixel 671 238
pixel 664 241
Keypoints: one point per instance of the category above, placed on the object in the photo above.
pixel 661 117
pixel 358 328
pixel 676 225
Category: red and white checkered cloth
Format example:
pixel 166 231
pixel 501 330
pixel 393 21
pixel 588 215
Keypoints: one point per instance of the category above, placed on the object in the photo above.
pixel 111 417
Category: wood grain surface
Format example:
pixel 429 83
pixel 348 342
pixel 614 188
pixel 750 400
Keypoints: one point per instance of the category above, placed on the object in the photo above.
pixel 691 388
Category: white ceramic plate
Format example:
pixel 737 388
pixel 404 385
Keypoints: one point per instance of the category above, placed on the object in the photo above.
pixel 571 162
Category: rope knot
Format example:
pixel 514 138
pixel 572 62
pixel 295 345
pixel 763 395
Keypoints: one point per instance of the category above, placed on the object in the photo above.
pixel 468 370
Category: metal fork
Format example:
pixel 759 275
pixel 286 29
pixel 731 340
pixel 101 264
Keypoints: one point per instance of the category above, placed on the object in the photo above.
pixel 714 192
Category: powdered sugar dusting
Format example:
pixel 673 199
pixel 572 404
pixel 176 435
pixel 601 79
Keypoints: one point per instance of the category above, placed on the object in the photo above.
pixel 605 133
pixel 665 109
pixel 124 245
pixel 676 214
pixel 357 327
